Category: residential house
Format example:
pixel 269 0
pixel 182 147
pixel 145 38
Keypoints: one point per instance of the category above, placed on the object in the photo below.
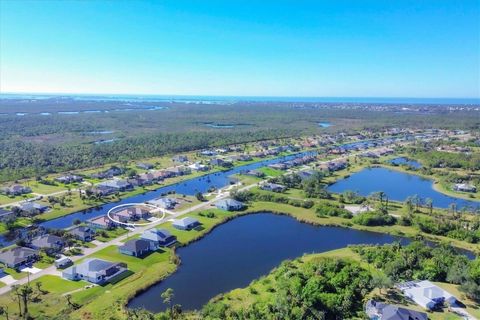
pixel 229 205
pixel 15 190
pixel 305 174
pixel 48 242
pixel 464 187
pixel 165 203
pixel 103 190
pixel 83 233
pixel 222 150
pixel 145 165
pixel 384 151
pixel 138 182
pixel 381 311
pixel 208 153
pixel 158 238
pixel 217 162
pixel 135 248
pixel 131 214
pixel 198 167
pixel 337 151
pixel 95 271
pixel 259 154
pixel 69 178
pixel 278 166
pixel 240 157
pixel 180 171
pixel 17 257
pixel 180 158
pixel 110 173
pixel 31 207
pixel 273 187
pixel 254 173
pixel 426 294
pixel 186 223
pixel 6 215
pixel 148 178
pixel 117 184
pixel 333 165
pixel 102 222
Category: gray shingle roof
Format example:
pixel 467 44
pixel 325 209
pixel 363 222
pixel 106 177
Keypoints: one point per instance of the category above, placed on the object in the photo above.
pixel 136 245
pixel 16 255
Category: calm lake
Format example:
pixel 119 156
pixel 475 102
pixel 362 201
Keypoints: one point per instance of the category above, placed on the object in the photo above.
pixel 242 250
pixel 398 186
pixel 405 161
pixel 325 124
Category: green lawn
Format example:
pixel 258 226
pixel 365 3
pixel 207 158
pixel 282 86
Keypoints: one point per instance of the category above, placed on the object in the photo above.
pixel 41 188
pixel 111 234
pixel 7 199
pixel 271 172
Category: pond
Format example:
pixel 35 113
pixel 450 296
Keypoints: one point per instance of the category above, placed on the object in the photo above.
pixel 405 161
pixel 137 108
pixel 242 250
pixel 219 125
pixel 325 124
pixel 398 186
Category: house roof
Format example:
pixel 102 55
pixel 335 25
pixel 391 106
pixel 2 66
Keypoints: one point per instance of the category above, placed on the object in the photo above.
pixel 424 292
pixel 47 241
pixel 4 212
pixel 90 267
pixel 185 222
pixel 17 255
pixel 156 234
pixel 136 245
pixel 28 206
pixel 384 311
pixel 81 231
pixel 228 202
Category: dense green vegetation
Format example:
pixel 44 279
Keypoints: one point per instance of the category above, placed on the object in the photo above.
pixel 419 261
pixel 33 144
pixel 374 218
pixel 318 289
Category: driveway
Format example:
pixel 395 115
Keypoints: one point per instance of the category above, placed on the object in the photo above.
pixel 8 280
pixel 31 270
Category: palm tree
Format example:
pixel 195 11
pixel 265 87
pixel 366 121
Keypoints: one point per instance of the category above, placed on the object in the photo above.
pixel 15 289
pixel 381 281
pixel 409 204
pixel 25 292
pixel 429 203
pixel 167 297
pixel 453 207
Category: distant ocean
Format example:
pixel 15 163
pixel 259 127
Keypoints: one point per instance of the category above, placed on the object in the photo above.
pixel 232 99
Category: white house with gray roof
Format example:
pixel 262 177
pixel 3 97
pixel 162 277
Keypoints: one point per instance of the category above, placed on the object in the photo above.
pixel 158 238
pixel 229 204
pixel 426 294
pixel 186 223
pixel 95 271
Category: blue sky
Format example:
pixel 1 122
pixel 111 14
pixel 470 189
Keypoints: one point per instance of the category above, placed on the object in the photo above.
pixel 256 48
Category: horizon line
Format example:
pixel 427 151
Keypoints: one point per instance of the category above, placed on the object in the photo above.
pixel 226 96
